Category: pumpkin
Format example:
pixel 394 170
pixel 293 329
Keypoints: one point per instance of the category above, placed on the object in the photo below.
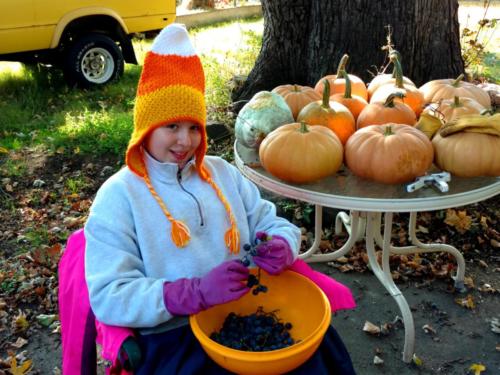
pixel 330 114
pixel 467 154
pixel 412 96
pixel 300 154
pixel 389 153
pixel 337 83
pixel 383 113
pixel 297 97
pixel 449 88
pixel 354 103
pixel 450 109
pixel 262 114
pixel 493 91
pixel 382 79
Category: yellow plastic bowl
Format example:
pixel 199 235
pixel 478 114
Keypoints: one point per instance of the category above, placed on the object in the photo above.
pixel 299 302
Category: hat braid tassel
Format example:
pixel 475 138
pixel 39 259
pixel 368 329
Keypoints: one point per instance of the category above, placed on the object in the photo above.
pixel 179 233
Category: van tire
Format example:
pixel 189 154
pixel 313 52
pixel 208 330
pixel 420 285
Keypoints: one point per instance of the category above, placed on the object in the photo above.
pixel 93 60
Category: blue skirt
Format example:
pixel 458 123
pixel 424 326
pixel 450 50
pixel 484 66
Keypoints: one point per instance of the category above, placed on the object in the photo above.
pixel 177 352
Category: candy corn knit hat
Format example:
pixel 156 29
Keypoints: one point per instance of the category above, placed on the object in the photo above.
pixel 172 88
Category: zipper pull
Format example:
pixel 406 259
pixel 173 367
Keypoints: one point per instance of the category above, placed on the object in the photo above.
pixel 179 175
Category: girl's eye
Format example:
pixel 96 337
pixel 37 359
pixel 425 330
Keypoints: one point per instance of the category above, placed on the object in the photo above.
pixel 171 126
pixel 196 128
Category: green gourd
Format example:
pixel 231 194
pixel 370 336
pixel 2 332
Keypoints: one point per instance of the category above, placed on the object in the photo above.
pixel 265 112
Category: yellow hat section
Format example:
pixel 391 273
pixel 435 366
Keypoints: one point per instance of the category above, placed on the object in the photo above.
pixel 168 104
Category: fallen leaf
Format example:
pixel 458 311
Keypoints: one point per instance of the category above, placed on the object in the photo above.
pixel 20 322
pixel 469 281
pixel 422 229
pixel 9 188
pixel 497 348
pixel 458 219
pixel 20 342
pixel 484 222
pixel 19 370
pixel 487 288
pixel 477 368
pixel 3 150
pixel 46 320
pixel 378 361
pixel 483 264
pixel 417 360
pixel 494 243
pixel 371 328
pixel 467 302
pixel 495 325
pixel 428 329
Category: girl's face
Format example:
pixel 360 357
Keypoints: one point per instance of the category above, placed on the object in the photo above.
pixel 174 142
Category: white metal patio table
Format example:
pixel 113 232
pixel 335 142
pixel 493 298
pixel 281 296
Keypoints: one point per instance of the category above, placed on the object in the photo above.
pixel 366 201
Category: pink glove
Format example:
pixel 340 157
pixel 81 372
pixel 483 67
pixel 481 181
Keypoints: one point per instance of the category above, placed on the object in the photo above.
pixel 225 283
pixel 273 255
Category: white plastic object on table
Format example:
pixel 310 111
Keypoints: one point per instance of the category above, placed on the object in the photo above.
pixel 439 180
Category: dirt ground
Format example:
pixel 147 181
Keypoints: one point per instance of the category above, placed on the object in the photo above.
pixel 461 336
pixel 456 336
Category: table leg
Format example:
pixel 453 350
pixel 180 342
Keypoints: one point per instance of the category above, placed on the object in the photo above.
pixel 310 256
pixel 318 229
pixel 384 275
pixel 419 247
pixel 345 220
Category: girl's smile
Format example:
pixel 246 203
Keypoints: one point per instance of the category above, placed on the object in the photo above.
pixel 174 142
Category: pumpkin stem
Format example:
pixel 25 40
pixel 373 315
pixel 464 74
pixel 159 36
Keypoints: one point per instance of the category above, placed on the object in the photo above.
pixel 326 94
pixel 296 88
pixel 342 64
pixel 456 102
pixel 456 82
pixel 347 92
pixel 388 131
pixel 389 102
pixel 398 70
pixel 303 127
pixel 396 55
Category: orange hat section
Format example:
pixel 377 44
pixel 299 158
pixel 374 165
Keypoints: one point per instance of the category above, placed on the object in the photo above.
pixel 160 71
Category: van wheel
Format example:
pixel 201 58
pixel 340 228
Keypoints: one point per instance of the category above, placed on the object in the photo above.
pixel 93 60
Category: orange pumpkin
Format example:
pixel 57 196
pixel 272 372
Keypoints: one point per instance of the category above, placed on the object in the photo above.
pixel 330 114
pixel 449 88
pixel 383 113
pixel 354 103
pixel 450 109
pixel 337 83
pixel 466 154
pixel 296 96
pixel 412 96
pixel 300 154
pixel 389 153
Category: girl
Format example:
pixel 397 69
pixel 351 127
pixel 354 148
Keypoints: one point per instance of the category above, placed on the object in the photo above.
pixel 164 235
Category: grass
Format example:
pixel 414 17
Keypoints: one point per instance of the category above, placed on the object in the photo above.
pixel 38 108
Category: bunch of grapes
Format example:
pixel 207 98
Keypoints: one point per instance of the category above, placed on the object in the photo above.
pixel 253 281
pixel 258 332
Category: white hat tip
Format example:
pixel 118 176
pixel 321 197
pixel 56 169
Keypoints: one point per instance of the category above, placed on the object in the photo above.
pixel 173 40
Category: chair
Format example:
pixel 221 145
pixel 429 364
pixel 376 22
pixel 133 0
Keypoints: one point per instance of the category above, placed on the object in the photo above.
pixel 80 331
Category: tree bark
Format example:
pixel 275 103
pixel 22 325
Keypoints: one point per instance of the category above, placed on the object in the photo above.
pixel 304 40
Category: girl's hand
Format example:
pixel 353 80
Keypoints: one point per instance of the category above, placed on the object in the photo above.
pixel 273 255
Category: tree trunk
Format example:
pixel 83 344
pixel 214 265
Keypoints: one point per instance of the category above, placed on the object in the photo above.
pixel 304 40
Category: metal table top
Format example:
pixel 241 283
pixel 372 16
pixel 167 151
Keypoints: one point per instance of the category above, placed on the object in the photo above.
pixel 347 191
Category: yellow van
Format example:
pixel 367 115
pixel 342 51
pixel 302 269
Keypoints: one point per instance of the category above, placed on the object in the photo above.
pixel 89 39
